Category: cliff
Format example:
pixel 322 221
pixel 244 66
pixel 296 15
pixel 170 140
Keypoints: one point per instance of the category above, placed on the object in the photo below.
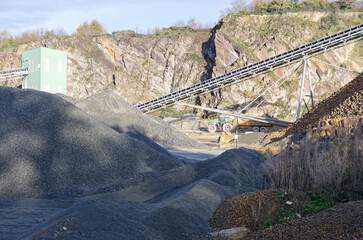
pixel 143 67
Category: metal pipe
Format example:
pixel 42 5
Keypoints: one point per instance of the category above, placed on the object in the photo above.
pixel 272 122
pixel 301 90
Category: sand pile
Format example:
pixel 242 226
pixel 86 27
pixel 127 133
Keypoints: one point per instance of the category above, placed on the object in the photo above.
pixel 123 117
pixel 49 145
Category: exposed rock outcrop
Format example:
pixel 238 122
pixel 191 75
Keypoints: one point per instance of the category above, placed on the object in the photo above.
pixel 143 67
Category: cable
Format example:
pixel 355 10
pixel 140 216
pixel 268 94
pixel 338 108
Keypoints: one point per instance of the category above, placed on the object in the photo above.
pixel 346 69
pixel 296 66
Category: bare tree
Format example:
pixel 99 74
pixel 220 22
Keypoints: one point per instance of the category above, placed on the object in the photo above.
pixel 193 23
pixel 238 6
pixel 4 35
pixel 180 23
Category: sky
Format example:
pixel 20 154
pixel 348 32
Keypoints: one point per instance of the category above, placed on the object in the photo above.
pixel 17 16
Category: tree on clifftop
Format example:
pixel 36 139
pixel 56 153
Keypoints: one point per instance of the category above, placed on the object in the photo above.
pixel 238 6
pixel 346 4
pixel 94 28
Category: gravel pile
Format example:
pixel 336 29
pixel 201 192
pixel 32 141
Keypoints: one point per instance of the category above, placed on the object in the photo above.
pixel 238 168
pixel 123 117
pixel 129 186
pixel 49 145
pixel 174 204
pixel 347 102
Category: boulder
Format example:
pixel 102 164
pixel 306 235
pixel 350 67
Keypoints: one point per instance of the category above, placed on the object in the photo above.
pixel 232 233
pixel 226 138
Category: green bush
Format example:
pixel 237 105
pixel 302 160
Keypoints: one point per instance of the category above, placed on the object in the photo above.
pixel 327 22
pixel 345 4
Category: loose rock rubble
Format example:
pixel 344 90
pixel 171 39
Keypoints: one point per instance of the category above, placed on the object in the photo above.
pixel 346 103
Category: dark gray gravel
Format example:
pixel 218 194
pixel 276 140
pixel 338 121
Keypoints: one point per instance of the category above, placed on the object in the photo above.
pixel 123 117
pixel 49 145
pixel 20 215
pixel 130 187
pixel 174 204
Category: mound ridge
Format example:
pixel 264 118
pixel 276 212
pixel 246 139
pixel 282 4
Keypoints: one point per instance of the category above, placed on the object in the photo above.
pixel 173 204
pixel 49 145
pixel 120 115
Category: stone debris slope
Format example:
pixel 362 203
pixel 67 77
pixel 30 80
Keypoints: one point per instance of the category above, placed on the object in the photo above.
pixel 49 145
pixel 347 102
pixel 123 117
pixel 174 204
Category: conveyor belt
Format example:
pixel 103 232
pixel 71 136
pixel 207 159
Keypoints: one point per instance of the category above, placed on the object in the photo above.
pixel 13 73
pixel 252 70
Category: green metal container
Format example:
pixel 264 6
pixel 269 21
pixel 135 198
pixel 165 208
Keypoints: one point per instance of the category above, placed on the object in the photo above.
pixel 47 70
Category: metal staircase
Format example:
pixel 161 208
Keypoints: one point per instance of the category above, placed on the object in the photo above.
pixel 313 48
pixel 13 73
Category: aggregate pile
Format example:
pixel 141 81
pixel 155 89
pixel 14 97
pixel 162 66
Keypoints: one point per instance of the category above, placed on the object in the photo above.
pixel 123 117
pixel 102 183
pixel 175 204
pixel 49 145
pixel 345 103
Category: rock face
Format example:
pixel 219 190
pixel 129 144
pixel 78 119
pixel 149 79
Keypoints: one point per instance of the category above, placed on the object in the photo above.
pixel 143 67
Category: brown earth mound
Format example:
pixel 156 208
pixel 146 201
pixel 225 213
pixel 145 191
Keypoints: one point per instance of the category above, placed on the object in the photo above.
pixel 340 222
pixel 257 210
pixel 287 214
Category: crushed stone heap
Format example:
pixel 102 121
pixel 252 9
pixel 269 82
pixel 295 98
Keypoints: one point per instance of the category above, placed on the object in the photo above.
pixel 116 112
pixel 347 102
pixel 49 145
pixel 87 175
pixel 173 204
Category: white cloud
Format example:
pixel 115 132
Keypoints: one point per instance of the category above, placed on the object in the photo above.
pixel 17 16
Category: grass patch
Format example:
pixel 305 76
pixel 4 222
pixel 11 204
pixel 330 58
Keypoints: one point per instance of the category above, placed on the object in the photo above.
pixel 331 169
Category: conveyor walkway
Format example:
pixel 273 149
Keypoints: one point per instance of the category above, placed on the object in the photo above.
pixel 13 73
